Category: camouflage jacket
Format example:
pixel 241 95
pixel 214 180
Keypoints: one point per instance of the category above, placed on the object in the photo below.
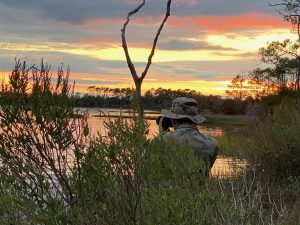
pixel 205 148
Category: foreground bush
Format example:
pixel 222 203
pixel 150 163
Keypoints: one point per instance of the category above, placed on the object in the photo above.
pixel 272 145
pixel 130 179
pixel 276 149
pixel 127 179
pixel 40 146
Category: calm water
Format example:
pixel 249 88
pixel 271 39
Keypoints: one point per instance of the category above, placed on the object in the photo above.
pixel 96 123
pixel 223 167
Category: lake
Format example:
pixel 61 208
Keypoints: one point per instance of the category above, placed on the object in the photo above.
pixel 223 167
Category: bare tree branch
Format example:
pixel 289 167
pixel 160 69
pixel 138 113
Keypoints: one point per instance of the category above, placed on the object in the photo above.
pixel 156 39
pixel 124 43
pixel 138 80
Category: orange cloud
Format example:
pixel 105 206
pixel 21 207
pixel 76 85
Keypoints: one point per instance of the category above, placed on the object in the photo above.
pixel 222 23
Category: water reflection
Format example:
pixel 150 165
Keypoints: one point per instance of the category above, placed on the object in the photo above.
pixel 97 126
pixel 223 167
pixel 96 123
pixel 211 131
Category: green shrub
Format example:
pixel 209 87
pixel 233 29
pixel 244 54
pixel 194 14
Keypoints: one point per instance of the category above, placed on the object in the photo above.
pixel 40 143
pixel 234 145
pixel 272 146
pixel 138 181
pixel 131 179
pixel 276 149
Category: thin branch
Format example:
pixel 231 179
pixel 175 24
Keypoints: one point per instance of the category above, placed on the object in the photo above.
pixel 279 4
pixel 125 47
pixel 124 43
pixel 156 39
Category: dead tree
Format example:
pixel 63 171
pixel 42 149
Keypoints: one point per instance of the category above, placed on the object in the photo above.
pixel 138 80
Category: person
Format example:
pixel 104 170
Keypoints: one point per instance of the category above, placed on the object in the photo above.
pixel 183 117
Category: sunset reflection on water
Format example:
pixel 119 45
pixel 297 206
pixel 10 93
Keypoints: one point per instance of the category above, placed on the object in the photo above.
pixel 97 125
pixel 223 167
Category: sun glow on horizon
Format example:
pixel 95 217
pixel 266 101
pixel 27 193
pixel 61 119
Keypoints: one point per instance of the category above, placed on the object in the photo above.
pixel 250 43
pixel 137 54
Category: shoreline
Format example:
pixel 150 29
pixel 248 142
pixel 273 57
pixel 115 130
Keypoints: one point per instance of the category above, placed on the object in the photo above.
pixel 213 119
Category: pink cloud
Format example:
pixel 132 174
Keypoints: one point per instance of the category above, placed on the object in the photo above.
pixel 215 23
pixel 222 23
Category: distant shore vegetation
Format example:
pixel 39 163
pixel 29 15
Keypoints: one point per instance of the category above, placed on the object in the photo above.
pixel 160 98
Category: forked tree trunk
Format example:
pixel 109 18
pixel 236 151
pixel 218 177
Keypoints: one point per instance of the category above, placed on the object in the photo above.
pixel 138 105
pixel 138 80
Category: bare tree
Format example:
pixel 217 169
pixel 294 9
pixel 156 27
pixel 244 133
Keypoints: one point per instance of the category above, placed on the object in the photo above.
pixel 138 80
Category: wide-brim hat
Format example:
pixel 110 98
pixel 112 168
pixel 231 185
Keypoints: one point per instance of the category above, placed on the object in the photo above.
pixel 183 107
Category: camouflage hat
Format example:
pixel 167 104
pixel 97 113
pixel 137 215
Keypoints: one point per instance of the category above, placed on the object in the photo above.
pixel 183 107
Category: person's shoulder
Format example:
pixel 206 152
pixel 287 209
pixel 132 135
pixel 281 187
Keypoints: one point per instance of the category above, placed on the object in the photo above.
pixel 212 139
pixel 167 136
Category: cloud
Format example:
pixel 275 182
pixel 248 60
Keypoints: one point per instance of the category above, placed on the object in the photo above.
pixel 76 62
pixel 97 82
pixel 71 11
pixel 192 74
pixel 93 69
pixel 228 23
pixel 75 21
pixel 201 70
pixel 222 7
pixel 78 11
pixel 190 45
pixel 180 3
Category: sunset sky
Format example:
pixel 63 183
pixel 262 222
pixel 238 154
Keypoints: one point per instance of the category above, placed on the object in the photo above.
pixel 203 45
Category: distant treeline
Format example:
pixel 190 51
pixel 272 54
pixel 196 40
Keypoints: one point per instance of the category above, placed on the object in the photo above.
pixel 157 99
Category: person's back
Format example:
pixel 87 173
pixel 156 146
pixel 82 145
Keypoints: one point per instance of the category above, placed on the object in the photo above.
pixel 183 115
pixel 205 148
